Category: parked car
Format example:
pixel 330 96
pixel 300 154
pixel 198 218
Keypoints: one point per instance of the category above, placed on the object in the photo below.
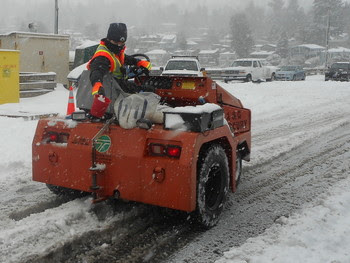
pixel 338 71
pixel 182 66
pixel 290 73
pixel 249 69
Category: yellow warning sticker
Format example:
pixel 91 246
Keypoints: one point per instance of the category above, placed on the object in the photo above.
pixel 188 85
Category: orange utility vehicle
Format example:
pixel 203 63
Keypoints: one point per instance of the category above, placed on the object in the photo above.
pixel 189 169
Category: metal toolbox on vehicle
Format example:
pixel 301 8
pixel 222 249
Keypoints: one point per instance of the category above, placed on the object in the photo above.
pixel 196 122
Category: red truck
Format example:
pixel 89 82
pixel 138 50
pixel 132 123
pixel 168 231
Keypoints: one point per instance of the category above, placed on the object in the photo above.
pixel 190 169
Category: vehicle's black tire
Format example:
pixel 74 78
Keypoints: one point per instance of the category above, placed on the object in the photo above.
pixel 212 185
pixel 272 77
pixel 248 78
pixel 239 169
pixel 66 192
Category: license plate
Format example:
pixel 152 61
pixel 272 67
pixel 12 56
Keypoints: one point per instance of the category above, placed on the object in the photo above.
pixel 188 85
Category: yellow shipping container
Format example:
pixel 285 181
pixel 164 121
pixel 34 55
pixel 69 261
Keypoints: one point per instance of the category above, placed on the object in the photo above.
pixel 9 76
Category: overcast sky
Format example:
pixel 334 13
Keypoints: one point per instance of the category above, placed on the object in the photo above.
pixel 15 13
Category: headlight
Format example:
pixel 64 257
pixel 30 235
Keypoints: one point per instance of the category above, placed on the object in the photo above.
pixel 78 116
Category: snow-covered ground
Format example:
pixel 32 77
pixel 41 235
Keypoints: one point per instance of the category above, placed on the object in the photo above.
pixel 33 221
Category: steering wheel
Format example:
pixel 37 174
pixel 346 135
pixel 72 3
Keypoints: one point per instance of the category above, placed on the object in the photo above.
pixel 134 71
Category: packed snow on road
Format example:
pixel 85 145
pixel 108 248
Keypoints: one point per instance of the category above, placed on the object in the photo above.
pixel 292 204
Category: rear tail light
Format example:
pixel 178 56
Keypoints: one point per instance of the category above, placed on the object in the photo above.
pixel 173 151
pixel 157 149
pixel 55 137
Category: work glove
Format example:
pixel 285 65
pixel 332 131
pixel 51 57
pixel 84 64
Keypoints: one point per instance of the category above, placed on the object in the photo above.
pixel 99 106
pixel 144 70
pixel 98 89
pixel 145 64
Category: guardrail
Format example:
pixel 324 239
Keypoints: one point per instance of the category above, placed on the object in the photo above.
pixel 33 84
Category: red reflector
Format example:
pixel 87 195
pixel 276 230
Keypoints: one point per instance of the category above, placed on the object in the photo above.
pixel 173 151
pixel 53 137
pixel 157 149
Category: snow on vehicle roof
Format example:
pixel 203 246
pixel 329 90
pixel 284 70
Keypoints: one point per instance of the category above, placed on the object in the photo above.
pixel 75 73
pixel 156 51
pixel 247 59
pixel 87 43
pixel 183 58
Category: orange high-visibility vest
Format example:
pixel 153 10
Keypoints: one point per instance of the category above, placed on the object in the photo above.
pixel 115 61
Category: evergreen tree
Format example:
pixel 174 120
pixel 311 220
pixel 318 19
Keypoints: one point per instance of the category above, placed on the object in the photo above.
pixel 346 12
pixel 181 41
pixel 256 17
pixel 282 46
pixel 276 18
pixel 295 18
pixel 241 35
pixel 327 14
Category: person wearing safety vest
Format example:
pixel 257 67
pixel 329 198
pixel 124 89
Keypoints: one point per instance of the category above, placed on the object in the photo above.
pixel 110 57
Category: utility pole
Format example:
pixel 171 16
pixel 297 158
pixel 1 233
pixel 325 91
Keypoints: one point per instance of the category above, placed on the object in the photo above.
pixel 56 17
pixel 327 37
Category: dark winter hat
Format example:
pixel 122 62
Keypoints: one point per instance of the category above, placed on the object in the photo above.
pixel 117 32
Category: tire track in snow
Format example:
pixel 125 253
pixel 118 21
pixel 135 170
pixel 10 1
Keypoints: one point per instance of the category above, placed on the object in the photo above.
pixel 268 191
pixel 271 190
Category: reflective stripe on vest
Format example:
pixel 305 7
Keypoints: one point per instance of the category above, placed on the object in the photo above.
pixel 102 50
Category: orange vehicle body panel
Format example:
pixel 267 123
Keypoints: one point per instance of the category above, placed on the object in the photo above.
pixel 129 168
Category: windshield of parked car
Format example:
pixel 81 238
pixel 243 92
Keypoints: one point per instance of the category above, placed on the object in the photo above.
pixel 181 65
pixel 242 63
pixel 289 68
pixel 340 66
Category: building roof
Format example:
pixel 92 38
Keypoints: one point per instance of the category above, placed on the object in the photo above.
pixel 211 51
pixel 311 46
pixel 168 39
pixel 339 50
pixel 34 35
pixel 156 51
pixel 267 53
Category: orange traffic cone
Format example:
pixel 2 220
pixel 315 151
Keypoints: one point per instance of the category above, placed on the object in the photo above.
pixel 71 105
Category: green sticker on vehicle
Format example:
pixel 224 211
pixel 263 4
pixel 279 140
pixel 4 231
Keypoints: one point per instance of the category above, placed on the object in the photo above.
pixel 103 143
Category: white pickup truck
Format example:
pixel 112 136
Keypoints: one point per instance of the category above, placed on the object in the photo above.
pixel 182 66
pixel 249 69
